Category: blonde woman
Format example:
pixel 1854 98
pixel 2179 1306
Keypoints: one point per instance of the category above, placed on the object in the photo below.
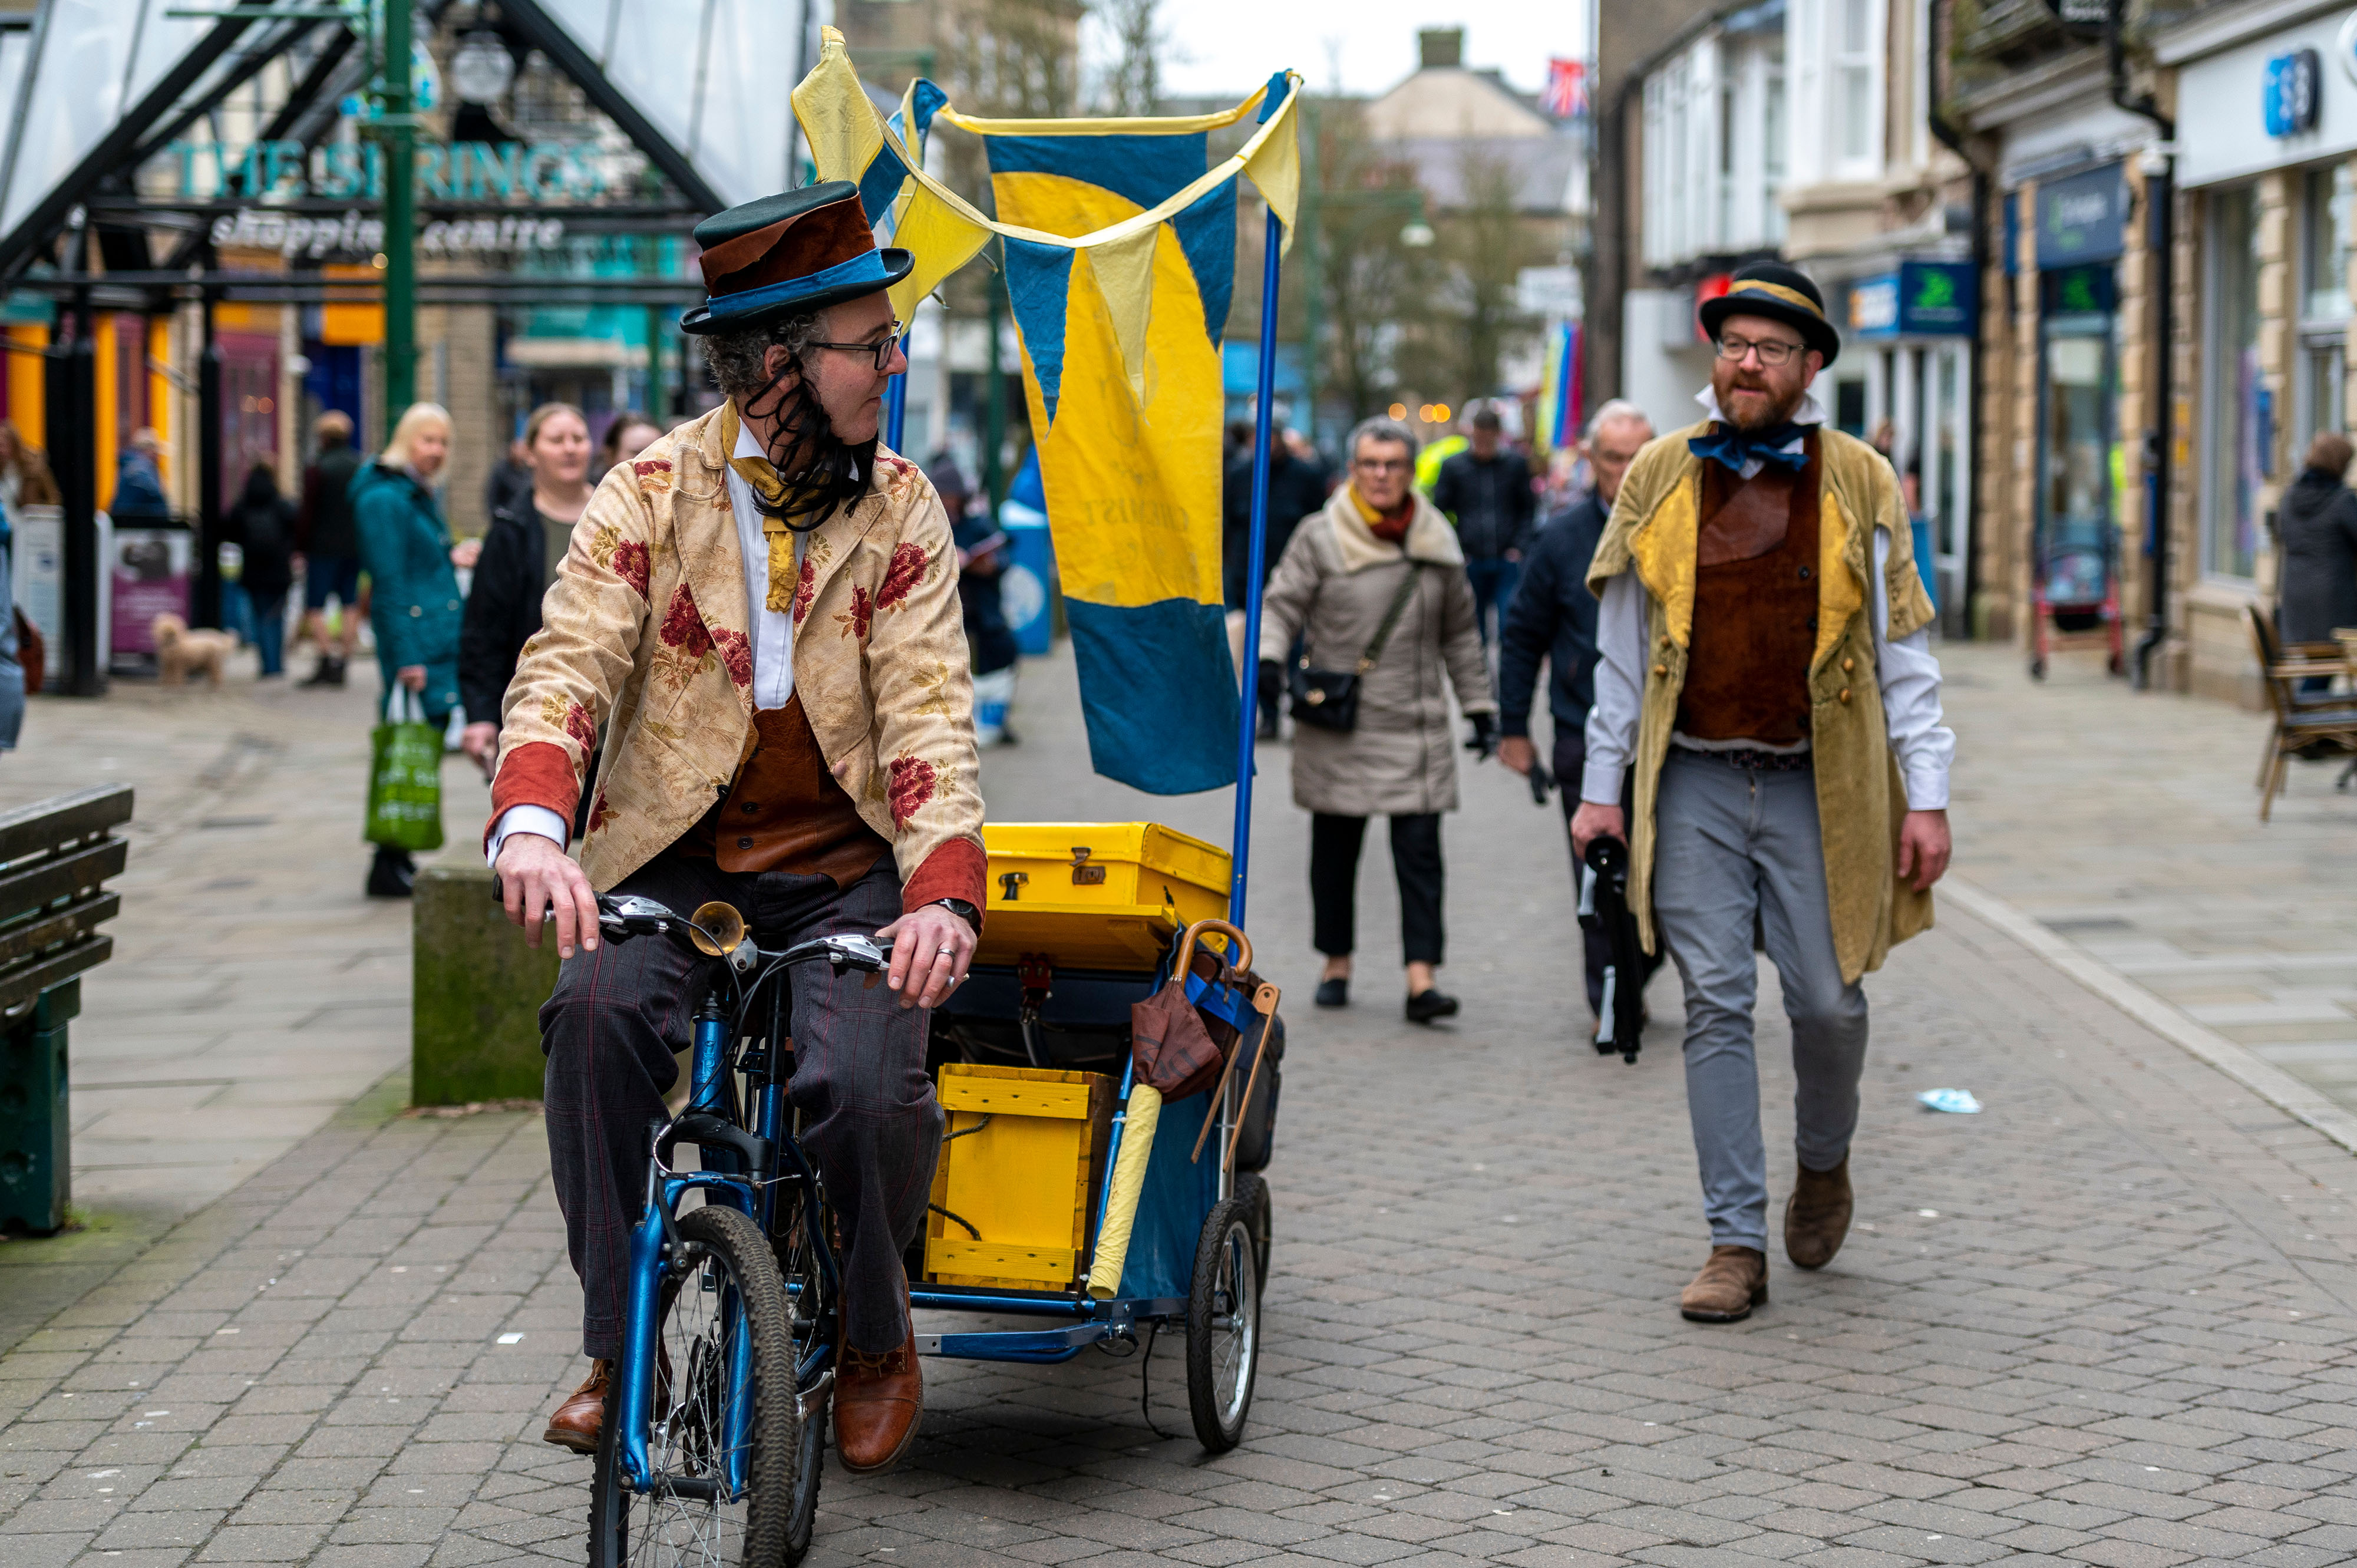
pixel 521 549
pixel 415 603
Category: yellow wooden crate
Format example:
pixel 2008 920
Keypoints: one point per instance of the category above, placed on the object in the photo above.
pixel 1096 894
pixel 1027 1180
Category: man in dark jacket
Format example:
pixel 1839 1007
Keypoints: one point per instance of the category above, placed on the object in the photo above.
pixel 1552 617
pixel 2317 524
pixel 1486 489
pixel 329 548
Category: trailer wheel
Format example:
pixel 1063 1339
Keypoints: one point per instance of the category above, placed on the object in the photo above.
pixel 1223 1327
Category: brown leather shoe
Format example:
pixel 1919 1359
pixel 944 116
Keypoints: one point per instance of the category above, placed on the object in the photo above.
pixel 1733 1282
pixel 879 1400
pixel 578 1421
pixel 1816 1217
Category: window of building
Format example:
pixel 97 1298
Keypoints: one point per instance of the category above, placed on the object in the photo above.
pixel 1854 81
pixel 1771 141
pixel 2236 406
pixel 2328 215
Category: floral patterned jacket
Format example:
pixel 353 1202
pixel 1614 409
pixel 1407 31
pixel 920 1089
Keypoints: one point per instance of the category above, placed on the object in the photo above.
pixel 644 631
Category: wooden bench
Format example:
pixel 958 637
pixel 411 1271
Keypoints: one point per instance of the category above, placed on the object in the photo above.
pixel 54 857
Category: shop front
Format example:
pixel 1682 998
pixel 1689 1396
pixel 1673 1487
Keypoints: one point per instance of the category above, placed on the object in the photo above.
pixel 1909 367
pixel 2271 195
pixel 2083 505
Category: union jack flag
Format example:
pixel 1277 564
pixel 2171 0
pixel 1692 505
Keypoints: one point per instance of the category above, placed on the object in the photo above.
pixel 1566 89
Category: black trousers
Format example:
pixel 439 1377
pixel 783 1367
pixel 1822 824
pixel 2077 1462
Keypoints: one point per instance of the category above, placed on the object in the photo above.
pixel 621 1015
pixel 1334 843
pixel 1570 761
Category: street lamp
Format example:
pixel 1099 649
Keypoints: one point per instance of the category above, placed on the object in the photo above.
pixel 1416 235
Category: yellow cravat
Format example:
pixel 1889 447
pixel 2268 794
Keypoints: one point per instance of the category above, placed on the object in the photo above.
pixel 762 477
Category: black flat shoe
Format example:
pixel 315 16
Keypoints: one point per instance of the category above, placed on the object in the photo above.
pixel 1334 993
pixel 1425 1006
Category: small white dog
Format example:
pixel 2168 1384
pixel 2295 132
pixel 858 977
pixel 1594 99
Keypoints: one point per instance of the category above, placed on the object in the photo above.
pixel 179 651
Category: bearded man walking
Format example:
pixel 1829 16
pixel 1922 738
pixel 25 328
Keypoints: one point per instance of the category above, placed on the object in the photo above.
pixel 1765 671
pixel 761 611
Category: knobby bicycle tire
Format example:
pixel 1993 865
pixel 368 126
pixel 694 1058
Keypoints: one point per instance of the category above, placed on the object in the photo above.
pixel 807 1314
pixel 630 1530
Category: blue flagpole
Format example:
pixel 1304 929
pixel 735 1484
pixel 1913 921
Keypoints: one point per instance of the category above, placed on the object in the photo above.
pixel 1272 248
pixel 895 410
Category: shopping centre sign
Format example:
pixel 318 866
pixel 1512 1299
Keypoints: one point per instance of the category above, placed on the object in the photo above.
pixel 471 173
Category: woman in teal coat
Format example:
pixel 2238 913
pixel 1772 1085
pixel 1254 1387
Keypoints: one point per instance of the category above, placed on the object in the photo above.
pixel 415 608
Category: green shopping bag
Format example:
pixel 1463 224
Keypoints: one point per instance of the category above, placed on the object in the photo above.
pixel 404 802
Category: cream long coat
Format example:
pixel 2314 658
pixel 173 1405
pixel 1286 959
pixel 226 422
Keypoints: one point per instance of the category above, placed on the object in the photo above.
pixel 1334 582
pixel 644 632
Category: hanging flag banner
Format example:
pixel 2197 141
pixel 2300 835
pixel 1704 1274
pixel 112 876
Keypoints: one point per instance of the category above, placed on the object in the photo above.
pixel 1565 96
pixel 1119 247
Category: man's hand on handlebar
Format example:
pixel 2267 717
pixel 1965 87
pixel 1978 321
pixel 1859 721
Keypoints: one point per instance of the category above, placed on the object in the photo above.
pixel 1595 820
pixel 537 878
pixel 931 949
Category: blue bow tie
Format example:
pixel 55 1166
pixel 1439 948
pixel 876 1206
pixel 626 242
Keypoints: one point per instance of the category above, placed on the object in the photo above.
pixel 1735 447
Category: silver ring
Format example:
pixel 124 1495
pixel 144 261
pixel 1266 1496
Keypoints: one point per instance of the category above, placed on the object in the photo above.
pixel 944 952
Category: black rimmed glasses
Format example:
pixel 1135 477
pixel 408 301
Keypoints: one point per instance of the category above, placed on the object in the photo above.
pixel 881 349
pixel 1773 351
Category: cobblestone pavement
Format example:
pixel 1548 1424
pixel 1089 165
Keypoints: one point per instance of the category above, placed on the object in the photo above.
pixel 2129 826
pixel 2108 1321
pixel 253 991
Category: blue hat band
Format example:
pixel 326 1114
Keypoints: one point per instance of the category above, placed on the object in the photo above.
pixel 867 267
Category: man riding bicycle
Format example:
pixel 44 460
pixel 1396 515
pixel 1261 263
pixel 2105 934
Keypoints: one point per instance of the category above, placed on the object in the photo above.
pixel 761 613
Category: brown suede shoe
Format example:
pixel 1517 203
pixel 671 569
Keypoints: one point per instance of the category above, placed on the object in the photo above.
pixel 576 1422
pixel 1733 1282
pixel 1816 1217
pixel 879 1400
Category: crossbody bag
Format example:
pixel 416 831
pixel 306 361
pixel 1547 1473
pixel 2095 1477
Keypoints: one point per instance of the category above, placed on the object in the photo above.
pixel 1329 699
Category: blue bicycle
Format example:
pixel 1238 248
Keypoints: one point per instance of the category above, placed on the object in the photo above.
pixel 714 1429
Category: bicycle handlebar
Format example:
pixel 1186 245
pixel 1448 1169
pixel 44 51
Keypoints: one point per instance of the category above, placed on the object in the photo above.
pixel 621 918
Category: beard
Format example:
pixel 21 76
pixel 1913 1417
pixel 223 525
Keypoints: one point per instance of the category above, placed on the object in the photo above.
pixel 1755 414
pixel 831 474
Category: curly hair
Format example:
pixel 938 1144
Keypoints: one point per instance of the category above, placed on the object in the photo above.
pixel 833 474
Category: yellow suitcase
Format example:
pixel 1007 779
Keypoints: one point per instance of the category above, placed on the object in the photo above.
pixel 1096 894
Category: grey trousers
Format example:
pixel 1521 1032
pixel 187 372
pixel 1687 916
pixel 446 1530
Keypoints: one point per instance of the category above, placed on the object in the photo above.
pixel 1733 847
pixel 613 1031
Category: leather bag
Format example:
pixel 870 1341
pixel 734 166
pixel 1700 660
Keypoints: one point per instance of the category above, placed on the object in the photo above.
pixel 1329 699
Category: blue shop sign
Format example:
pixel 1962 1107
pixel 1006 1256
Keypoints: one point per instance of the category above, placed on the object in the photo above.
pixel 1921 299
pixel 2294 92
pixel 2083 217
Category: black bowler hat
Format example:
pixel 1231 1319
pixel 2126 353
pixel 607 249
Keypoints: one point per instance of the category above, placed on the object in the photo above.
pixel 1781 294
pixel 788 255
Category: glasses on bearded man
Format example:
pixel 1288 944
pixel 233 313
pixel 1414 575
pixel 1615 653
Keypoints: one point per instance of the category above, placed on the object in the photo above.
pixel 881 349
pixel 1773 352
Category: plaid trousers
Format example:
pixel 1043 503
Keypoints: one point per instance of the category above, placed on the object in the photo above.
pixel 620 1015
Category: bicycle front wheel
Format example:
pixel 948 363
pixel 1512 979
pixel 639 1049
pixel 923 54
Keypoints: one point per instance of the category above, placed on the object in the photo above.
pixel 721 1431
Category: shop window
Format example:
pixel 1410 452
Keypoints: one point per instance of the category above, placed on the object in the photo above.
pixel 2238 411
pixel 2328 215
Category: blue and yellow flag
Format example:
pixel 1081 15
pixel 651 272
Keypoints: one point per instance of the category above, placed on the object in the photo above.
pixel 1120 260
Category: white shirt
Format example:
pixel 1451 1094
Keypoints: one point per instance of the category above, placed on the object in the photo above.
pixel 1906 671
pixel 773 639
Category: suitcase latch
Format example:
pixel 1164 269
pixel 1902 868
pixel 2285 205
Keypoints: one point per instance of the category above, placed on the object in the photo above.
pixel 1008 881
pixel 1084 873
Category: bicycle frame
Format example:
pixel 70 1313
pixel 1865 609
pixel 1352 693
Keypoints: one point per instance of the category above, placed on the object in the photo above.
pixel 654 1245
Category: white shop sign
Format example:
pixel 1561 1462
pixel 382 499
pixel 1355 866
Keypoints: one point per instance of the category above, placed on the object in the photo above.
pixel 2223 99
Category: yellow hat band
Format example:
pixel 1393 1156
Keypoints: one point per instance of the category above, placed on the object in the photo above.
pixel 1775 291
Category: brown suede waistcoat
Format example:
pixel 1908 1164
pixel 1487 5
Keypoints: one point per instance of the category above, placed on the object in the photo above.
pixel 784 811
pixel 1755 619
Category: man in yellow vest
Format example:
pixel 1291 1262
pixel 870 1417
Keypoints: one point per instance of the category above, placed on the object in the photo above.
pixel 1764 669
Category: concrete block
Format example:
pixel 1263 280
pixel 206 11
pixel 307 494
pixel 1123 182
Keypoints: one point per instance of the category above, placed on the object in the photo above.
pixel 475 994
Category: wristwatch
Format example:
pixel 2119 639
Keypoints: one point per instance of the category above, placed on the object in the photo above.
pixel 963 911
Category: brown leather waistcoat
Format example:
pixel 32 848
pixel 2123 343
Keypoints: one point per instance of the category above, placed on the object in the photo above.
pixel 1755 615
pixel 784 811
